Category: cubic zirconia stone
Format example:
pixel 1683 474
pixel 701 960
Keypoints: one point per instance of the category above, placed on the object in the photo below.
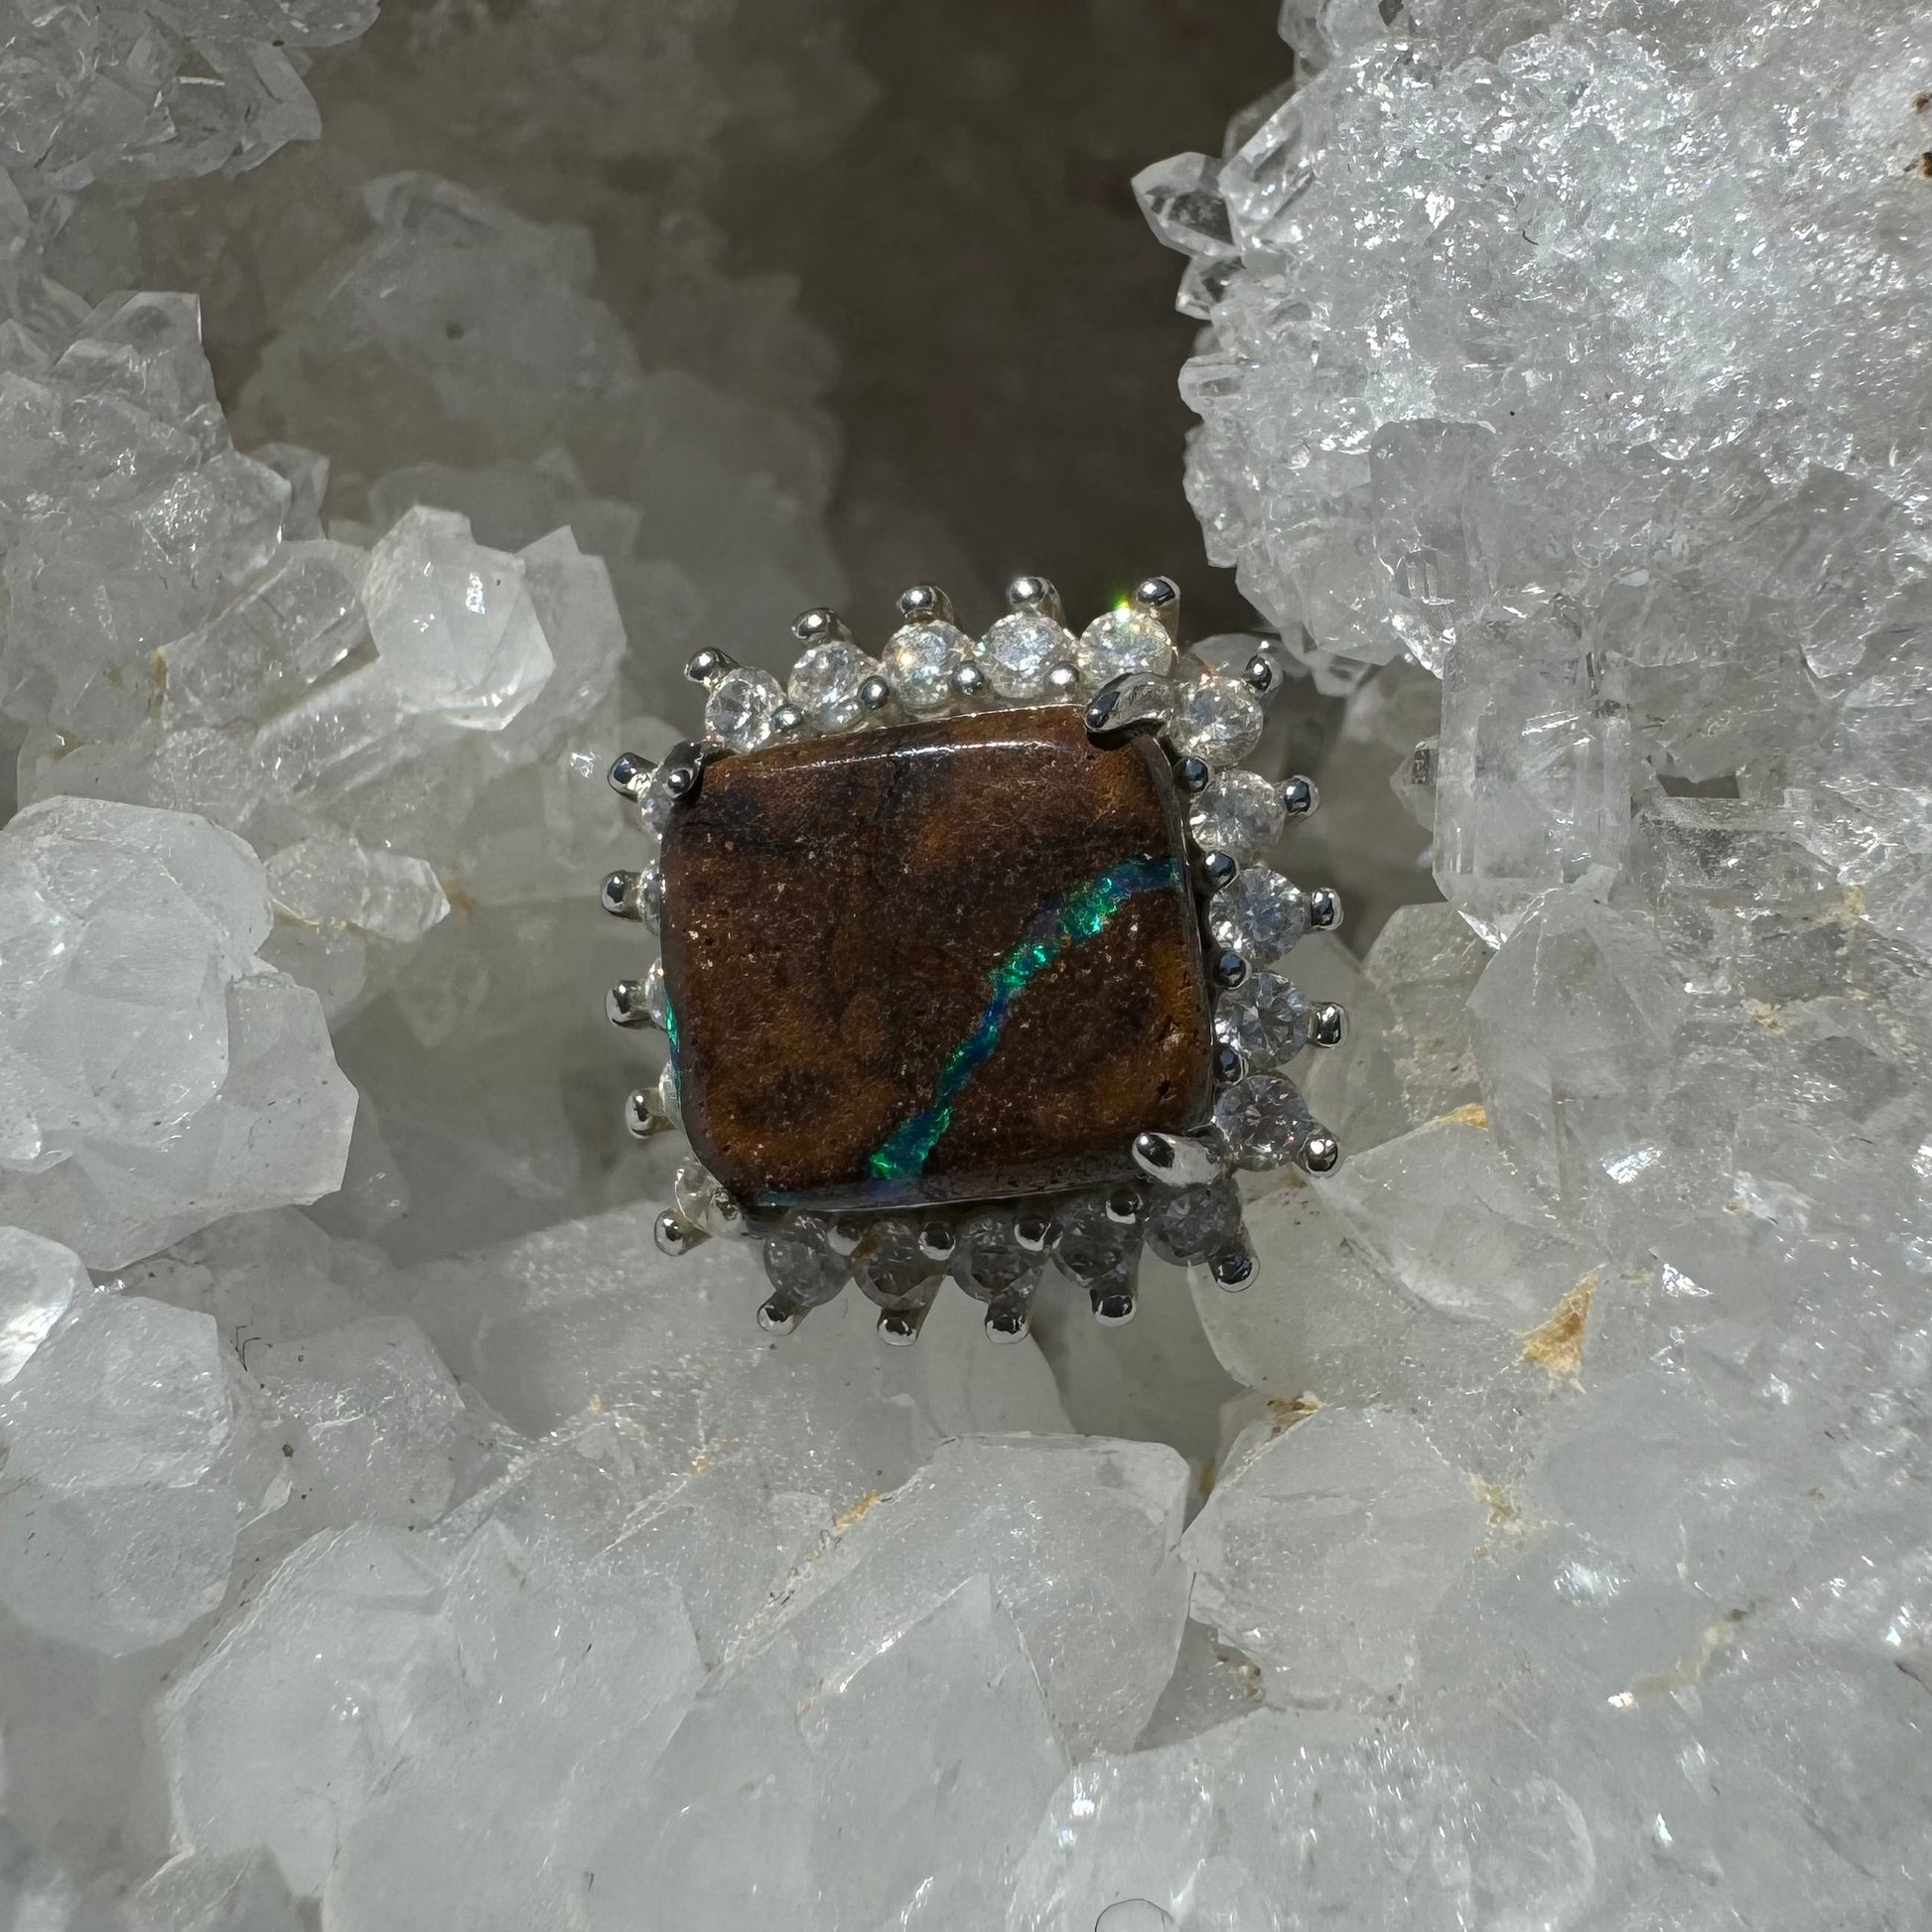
pixel 1187 1224
pixel 1020 650
pixel 738 711
pixel 655 1000
pixel 668 1107
pixel 987 1262
pixel 799 1264
pixel 825 683
pixel 1265 1018
pixel 1086 1243
pixel 919 662
pixel 1123 639
pixel 1260 915
pixel 1220 722
pixel 1240 814
pixel 656 805
pixel 1263 1118
pixel 891 1270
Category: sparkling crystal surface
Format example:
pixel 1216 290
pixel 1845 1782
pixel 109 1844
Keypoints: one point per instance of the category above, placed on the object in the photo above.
pixel 824 685
pixel 1266 1018
pixel 1121 640
pixel 1260 915
pixel 1018 649
pixel 919 662
pixel 1217 720
pixel 1240 813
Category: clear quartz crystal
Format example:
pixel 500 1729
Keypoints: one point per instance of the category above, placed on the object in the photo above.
pixel 1217 720
pixel 800 1266
pixel 738 711
pixel 1125 638
pixel 1259 914
pixel 1263 1118
pixel 1240 813
pixel 1266 1018
pixel 824 685
pixel 920 660
pixel 1020 650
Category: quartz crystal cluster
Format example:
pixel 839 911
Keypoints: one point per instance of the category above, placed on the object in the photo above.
pixel 392 1540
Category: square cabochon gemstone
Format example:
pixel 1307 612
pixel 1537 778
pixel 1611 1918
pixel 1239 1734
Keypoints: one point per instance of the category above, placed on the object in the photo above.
pixel 937 962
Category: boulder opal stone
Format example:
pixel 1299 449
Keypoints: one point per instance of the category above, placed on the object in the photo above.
pixel 943 961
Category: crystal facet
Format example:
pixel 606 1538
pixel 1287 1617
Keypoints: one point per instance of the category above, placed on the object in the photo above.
pixel 1240 813
pixel 738 711
pixel 824 685
pixel 1264 1019
pixel 1120 641
pixel 1264 1119
pixel 1217 720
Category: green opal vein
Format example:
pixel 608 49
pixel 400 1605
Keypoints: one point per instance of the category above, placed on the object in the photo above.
pixel 1061 922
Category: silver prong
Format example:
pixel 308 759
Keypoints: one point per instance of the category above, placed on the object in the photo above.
pixel 1191 775
pixel 1325 909
pixel 705 666
pixel 1327 1024
pixel 820 626
pixel 640 1116
pixel 1218 868
pixel 1125 1206
pixel 925 604
pixel 1062 679
pixel 1320 1151
pixel 1132 702
pixel 673 1234
pixel 1178 1159
pixel 778 1318
pixel 875 694
pixel 899 1327
pixel 1233 1270
pixel 1162 597
pixel 623 1005
pixel 842 1237
pixel 623 895
pixel 936 1240
pixel 1262 675
pixel 1230 970
pixel 1031 1231
pixel 630 774
pixel 1007 1323
pixel 1299 797
pixel 786 721
pixel 969 682
pixel 1035 593
pixel 1113 1309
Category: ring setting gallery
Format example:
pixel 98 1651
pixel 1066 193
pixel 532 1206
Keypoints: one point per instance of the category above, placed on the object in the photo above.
pixel 969 958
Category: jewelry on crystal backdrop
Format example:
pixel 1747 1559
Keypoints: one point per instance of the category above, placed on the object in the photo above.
pixel 969 958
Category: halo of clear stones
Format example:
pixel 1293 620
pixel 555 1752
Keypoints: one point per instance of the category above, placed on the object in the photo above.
pixel 1200 707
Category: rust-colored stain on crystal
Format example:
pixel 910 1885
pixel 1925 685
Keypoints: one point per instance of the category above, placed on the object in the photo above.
pixel 1557 1346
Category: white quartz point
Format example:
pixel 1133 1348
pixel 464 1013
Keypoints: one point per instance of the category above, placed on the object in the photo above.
pixel 39 1280
pixel 454 629
pixel 1323 1550
pixel 135 1459
pixel 336 882
pixel 154 1074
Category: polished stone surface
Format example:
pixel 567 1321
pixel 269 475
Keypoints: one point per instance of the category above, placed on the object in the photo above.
pixel 942 961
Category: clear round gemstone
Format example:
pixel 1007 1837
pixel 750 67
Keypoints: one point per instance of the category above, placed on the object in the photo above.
pixel 825 683
pixel 1217 720
pixel 1121 640
pixel 987 1264
pixel 919 662
pixel 1086 1243
pixel 1260 915
pixel 1265 1119
pixel 654 807
pixel 738 711
pixel 1265 1018
pixel 1020 650
pixel 799 1264
pixel 891 1270
pixel 1193 1223
pixel 1240 813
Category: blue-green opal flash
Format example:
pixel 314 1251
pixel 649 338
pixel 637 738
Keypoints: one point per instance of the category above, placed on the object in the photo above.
pixel 1063 923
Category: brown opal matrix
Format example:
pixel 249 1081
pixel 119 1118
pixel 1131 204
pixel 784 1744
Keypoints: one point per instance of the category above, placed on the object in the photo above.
pixel 935 962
